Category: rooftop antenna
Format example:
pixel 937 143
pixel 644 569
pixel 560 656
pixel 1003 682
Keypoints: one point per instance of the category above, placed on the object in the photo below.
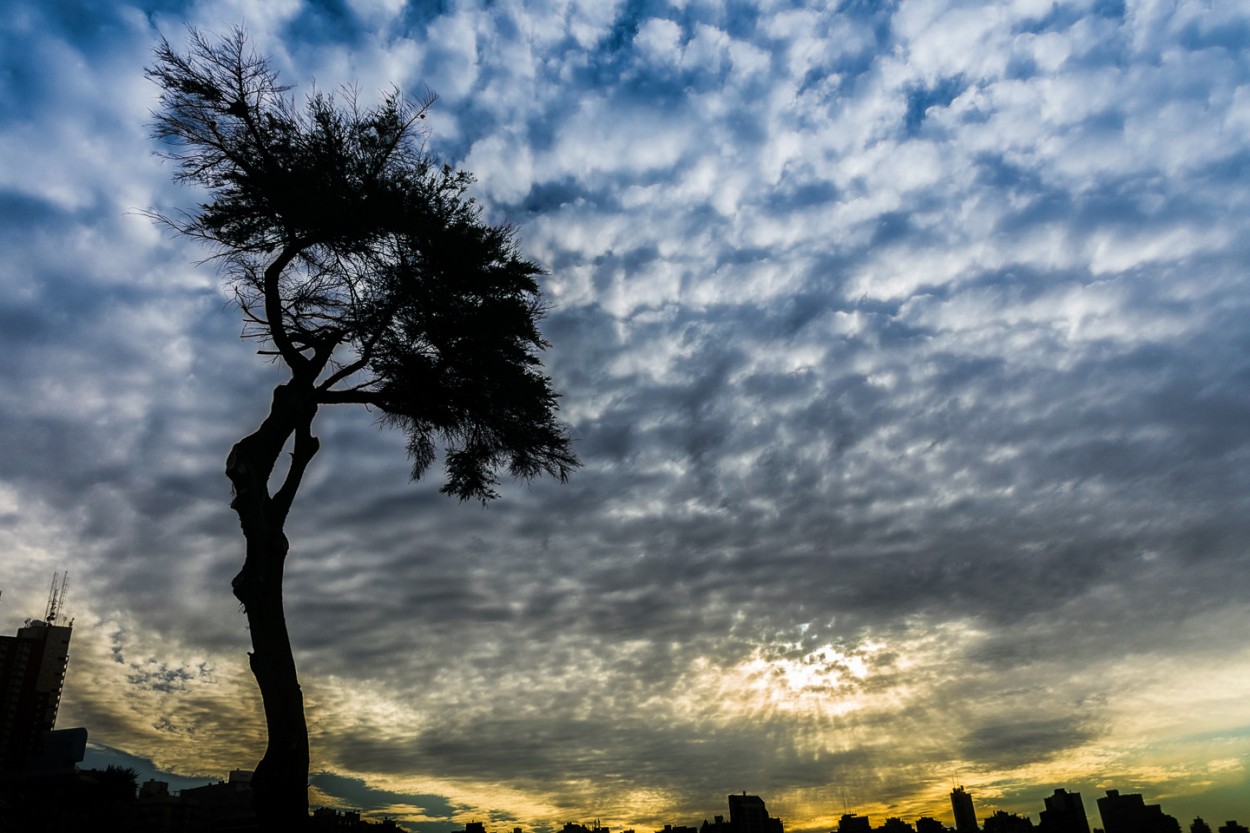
pixel 60 597
pixel 50 609
pixel 56 598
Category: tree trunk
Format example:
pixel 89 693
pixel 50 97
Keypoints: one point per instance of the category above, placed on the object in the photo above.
pixel 280 782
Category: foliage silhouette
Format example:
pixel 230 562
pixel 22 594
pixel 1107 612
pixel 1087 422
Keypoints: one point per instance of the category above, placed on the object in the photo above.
pixel 360 264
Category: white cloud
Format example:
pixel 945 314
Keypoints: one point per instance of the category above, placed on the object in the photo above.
pixel 660 41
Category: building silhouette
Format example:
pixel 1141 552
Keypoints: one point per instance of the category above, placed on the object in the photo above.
pixel 896 825
pixel 965 815
pixel 1064 813
pixel 226 805
pixel 157 810
pixel 32 674
pixel 679 828
pixel 331 820
pixel 1131 814
pixel 851 823
pixel 747 814
pixel 569 827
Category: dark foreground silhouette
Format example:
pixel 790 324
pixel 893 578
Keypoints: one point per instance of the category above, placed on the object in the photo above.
pixel 361 266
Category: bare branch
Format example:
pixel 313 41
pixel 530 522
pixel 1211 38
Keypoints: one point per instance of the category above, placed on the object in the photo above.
pixel 349 397
pixel 273 311
pixel 305 447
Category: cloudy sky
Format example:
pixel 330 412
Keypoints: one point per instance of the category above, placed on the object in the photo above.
pixel 906 349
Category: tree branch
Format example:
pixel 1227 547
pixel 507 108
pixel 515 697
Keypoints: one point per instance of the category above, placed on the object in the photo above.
pixel 306 447
pixel 349 397
pixel 346 370
pixel 273 309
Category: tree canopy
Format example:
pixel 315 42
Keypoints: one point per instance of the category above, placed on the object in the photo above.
pixel 362 263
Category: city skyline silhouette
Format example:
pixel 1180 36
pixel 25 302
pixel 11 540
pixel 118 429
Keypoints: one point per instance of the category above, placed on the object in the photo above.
pixel 41 768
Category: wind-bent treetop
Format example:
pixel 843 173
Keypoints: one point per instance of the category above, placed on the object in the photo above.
pixel 362 264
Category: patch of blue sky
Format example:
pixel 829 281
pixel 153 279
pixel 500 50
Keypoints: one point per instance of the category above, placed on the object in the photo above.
pixel 321 22
pixel 99 756
pixel 920 99
pixel 356 792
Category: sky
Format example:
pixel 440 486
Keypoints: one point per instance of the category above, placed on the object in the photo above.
pixel 904 346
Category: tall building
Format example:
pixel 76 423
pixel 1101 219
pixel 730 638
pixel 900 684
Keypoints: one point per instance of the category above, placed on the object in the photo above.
pixel 1064 813
pixel 32 673
pixel 747 814
pixel 851 823
pixel 1131 814
pixel 965 815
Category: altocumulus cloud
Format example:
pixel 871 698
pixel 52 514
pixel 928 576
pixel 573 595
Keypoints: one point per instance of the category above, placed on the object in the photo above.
pixel 904 344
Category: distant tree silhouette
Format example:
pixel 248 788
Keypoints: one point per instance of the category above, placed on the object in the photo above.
pixel 361 265
pixel 1003 822
pixel 111 801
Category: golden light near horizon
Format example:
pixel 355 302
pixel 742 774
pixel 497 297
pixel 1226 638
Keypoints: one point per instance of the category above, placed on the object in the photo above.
pixel 835 698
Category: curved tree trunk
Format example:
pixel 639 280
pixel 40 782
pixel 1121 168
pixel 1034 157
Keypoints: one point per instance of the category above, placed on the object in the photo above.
pixel 280 782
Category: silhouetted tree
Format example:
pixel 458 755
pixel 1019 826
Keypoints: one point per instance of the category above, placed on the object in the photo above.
pixel 110 798
pixel 1003 822
pixel 361 265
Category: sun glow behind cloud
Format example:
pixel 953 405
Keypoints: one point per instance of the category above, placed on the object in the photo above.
pixel 825 682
